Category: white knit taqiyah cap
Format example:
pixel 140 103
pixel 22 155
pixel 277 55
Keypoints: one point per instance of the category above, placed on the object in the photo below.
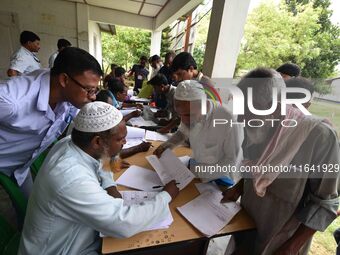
pixel 189 90
pixel 97 117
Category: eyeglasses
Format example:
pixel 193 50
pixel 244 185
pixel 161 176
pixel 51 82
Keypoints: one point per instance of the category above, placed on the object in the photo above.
pixel 89 91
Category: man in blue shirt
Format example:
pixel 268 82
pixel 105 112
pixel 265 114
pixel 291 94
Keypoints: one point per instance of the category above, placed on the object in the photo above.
pixel 140 73
pixel 35 110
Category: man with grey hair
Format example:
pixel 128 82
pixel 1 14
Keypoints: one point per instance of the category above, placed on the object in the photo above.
pixel 73 198
pixel 212 145
pixel 288 207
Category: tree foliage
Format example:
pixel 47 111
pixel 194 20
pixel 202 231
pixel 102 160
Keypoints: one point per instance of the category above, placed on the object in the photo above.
pixel 126 47
pixel 297 31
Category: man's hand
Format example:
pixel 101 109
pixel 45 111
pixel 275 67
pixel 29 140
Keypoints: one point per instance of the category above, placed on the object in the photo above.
pixel 233 193
pixel 144 146
pixel 163 130
pixel 124 164
pixel 136 113
pixel 172 189
pixel 159 151
pixel 113 192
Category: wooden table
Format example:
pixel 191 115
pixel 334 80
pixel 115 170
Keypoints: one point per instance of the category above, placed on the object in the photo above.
pixel 181 237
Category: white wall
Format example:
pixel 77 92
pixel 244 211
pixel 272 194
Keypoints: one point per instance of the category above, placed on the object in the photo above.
pixel 95 43
pixel 49 19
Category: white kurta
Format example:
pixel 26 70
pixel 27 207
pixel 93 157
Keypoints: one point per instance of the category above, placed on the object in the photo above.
pixel 212 146
pixel 24 61
pixel 69 206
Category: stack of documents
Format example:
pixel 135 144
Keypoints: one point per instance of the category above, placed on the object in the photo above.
pixel 134 136
pixel 139 197
pixel 208 206
pixel 139 121
pixel 154 136
pixel 140 178
pixel 169 168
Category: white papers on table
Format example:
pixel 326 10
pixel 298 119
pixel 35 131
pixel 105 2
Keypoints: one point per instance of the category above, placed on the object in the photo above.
pixel 207 187
pixel 128 111
pixel 154 136
pixel 139 178
pixel 139 121
pixel 138 99
pixel 138 197
pixel 208 206
pixel 169 167
pixel 135 133
pixel 134 137
pixel 132 142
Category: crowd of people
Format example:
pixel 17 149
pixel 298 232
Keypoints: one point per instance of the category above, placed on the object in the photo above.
pixel 73 197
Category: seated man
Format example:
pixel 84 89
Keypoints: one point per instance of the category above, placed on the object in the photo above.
pixel 288 206
pixel 69 204
pixel 119 91
pixel 162 87
pixel 105 96
pixel 211 145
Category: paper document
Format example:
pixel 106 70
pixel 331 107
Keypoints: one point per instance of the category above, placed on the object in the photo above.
pixel 138 197
pixel 208 214
pixel 132 142
pixel 154 136
pixel 139 178
pixel 138 99
pixel 207 187
pixel 169 167
pixel 128 111
pixel 139 121
pixel 134 132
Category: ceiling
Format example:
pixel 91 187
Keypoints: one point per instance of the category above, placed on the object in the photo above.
pixel 148 8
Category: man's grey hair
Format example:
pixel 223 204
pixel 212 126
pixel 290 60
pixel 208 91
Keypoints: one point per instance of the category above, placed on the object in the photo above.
pixel 262 81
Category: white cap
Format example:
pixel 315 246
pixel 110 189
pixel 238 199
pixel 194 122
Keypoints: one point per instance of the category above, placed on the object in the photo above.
pixel 189 90
pixel 97 117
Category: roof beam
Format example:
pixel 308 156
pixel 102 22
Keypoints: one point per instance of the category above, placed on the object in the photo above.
pixel 172 11
pixel 110 16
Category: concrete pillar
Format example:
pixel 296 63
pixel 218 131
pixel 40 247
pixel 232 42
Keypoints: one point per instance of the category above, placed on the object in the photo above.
pixel 227 21
pixel 156 39
pixel 83 26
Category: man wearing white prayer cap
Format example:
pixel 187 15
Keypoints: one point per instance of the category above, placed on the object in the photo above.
pixel 73 199
pixel 211 144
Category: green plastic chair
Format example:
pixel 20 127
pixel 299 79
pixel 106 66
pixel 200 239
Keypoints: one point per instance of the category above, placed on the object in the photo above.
pixel 6 233
pixel 15 194
pixel 12 246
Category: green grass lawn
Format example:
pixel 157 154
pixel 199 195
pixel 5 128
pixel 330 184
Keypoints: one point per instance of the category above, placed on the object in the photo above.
pixel 323 242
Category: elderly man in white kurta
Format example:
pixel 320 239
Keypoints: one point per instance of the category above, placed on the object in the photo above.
pixel 211 144
pixel 287 207
pixel 73 198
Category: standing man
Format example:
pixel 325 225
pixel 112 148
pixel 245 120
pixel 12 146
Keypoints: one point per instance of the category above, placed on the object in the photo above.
pixel 73 198
pixel 62 44
pixel 166 69
pixel 288 206
pixel 25 60
pixel 140 73
pixel 36 109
